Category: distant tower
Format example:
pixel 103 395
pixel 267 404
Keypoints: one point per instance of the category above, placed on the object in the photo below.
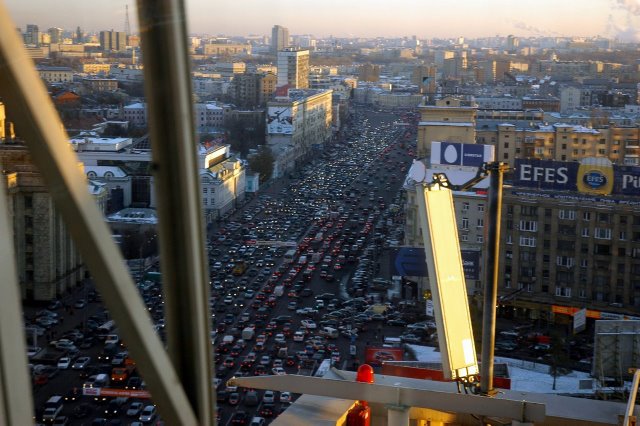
pixel 279 38
pixel 79 37
pixel 127 26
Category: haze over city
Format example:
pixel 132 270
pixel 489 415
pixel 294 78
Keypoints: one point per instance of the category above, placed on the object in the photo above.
pixel 468 18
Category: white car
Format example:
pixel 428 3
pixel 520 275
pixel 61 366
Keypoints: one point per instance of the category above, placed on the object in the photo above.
pixel 285 397
pixel 278 371
pixel 64 363
pixel 306 323
pixel 298 336
pixel 269 396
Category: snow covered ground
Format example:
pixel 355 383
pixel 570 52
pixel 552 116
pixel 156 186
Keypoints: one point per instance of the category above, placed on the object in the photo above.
pixel 525 376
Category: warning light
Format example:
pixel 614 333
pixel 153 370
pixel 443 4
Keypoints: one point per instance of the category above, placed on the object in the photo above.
pixel 360 413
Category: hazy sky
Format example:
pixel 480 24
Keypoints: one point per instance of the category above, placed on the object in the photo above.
pixel 423 18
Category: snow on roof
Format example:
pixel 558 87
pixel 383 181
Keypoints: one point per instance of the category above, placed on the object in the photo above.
pixel 525 376
pixel 446 123
pixel 100 171
pixel 137 105
pixel 131 215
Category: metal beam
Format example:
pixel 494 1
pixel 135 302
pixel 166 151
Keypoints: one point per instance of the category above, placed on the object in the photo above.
pixel 39 125
pixel 181 231
pixel 16 404
pixel 398 396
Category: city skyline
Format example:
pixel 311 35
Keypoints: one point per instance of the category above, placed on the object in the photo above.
pixel 439 19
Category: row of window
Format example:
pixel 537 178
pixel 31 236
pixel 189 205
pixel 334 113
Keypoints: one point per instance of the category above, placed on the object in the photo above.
pixel 570 214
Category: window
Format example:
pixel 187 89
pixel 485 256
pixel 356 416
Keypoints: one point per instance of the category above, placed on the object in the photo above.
pixel 28 202
pixel 527 241
pixel 481 207
pixel 529 287
pixel 602 233
pixel 528 210
pixel 509 239
pixel 586 215
pixel 465 206
pixel 205 190
pixel 585 232
pixel 582 293
pixel 465 223
pixel 480 223
pixel 528 225
pixel 563 291
pixel 464 238
pixel 479 239
pixel 623 236
pixel 567 214
pixel 565 261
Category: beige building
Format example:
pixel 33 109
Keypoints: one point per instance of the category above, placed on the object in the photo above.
pixel 217 49
pixel 564 142
pixel 297 125
pixel 47 260
pixel 293 68
pixel 100 84
pixel 55 74
pixel 253 89
pixel 95 68
pixel 223 180
pixel 447 121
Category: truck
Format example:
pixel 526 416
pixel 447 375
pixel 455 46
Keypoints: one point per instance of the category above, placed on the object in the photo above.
pixel 248 333
pixel 278 290
pixel 228 340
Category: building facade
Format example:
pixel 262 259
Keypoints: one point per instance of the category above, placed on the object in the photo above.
pixel 113 41
pixel 55 74
pixel 293 68
pixel 448 120
pixel 298 125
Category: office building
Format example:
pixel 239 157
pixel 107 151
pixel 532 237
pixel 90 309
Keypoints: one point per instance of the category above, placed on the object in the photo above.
pixel 293 68
pixel 113 41
pixel 279 38
pixel 32 35
pixel 55 35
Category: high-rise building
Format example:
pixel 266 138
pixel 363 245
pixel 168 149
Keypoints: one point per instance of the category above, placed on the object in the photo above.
pixel 32 35
pixel 279 38
pixel 293 68
pixel 113 41
pixel 55 35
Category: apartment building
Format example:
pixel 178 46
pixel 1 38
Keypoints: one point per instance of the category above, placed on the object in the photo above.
pixel 293 68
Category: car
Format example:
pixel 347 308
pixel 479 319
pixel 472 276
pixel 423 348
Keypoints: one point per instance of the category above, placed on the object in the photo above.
pixel 80 303
pixel 148 414
pixel 278 371
pixel 307 323
pixel 81 363
pixel 61 421
pixel 234 398
pixel 64 363
pixel 507 346
pixel 267 410
pixel 134 409
pixel 257 421
pixel 269 396
pixel 251 398
pixel 410 338
pixel 285 397
pixel 239 418
pixel 265 360
pixel 82 410
pixel 134 383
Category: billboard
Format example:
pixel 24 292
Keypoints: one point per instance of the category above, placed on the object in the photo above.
pixel 593 176
pixel 279 120
pixel 446 274
pixel 377 355
pixel 461 154
pixel 411 262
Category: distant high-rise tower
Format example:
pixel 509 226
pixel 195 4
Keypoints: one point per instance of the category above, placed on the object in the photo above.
pixel 32 35
pixel 55 35
pixel 127 25
pixel 293 68
pixel 79 36
pixel 512 43
pixel 279 38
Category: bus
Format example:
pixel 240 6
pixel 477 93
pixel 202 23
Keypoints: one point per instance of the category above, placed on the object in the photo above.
pixel 289 255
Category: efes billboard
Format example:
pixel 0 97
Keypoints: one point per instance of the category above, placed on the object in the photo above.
pixel 596 176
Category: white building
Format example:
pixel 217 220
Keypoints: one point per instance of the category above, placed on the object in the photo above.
pixel 293 68
pixel 223 180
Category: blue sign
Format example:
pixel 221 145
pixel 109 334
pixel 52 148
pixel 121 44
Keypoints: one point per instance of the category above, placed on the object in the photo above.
pixel 464 154
pixel 594 179
pixel 411 262
pixel 546 174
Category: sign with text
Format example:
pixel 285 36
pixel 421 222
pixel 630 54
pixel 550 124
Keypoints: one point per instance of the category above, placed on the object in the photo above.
pixel 411 262
pixel 461 154
pixel 593 176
